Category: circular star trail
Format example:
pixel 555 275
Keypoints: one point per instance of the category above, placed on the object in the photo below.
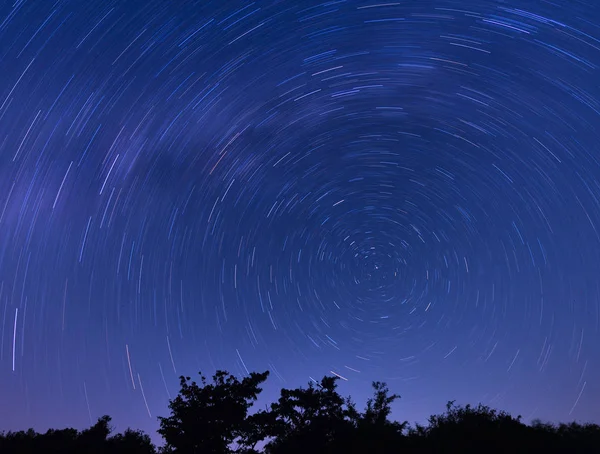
pixel 401 191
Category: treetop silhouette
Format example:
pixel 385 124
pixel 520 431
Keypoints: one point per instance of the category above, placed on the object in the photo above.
pixel 218 417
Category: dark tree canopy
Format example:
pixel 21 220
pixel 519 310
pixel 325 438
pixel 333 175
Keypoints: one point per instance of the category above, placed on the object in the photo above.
pixel 211 417
pixel 96 439
pixel 219 418
pixel 316 415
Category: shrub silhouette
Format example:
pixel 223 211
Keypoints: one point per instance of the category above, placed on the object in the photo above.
pixel 218 417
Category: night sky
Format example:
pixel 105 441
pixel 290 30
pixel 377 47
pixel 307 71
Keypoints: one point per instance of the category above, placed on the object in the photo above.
pixel 404 191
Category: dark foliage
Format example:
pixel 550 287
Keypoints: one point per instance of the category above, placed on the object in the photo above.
pixel 218 418
pixel 95 440
pixel 304 418
pixel 212 417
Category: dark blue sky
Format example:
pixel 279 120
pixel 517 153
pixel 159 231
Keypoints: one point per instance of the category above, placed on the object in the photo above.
pixel 403 191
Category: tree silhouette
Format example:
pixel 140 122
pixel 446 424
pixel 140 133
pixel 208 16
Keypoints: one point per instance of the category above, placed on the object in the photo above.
pixel 216 418
pixel 563 437
pixel 211 417
pixel 94 440
pixel 56 441
pixel 131 442
pixel 305 418
pixel 373 431
pixel 472 430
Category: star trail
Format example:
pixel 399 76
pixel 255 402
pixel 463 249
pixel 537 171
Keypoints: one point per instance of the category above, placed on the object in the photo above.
pixel 399 191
